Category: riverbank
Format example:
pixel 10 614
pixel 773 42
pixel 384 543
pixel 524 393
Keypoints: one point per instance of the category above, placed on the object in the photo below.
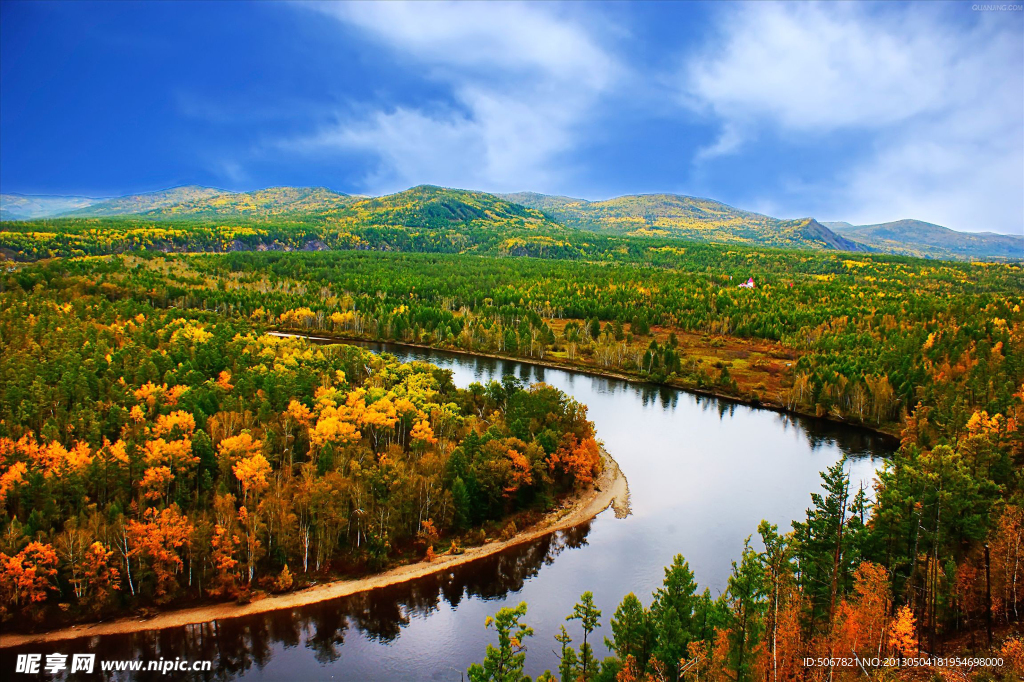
pixel 893 431
pixel 610 490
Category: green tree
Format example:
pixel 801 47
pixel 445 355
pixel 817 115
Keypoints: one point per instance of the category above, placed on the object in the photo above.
pixel 746 591
pixel 589 617
pixel 672 613
pixel 828 542
pixel 567 660
pixel 505 663
pixel 631 631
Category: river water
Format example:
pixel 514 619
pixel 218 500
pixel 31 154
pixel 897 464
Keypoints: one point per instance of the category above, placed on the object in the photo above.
pixel 702 473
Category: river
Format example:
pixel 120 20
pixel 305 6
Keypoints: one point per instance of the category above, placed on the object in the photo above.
pixel 702 473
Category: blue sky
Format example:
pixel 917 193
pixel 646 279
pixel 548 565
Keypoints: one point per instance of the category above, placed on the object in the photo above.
pixel 845 111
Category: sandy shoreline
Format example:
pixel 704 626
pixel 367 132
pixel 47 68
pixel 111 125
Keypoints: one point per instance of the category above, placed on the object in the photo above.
pixel 611 491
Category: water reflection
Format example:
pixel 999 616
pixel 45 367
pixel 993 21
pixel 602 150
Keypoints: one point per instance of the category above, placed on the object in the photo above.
pixel 853 442
pixel 240 645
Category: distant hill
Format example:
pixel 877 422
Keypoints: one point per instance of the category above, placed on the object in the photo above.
pixel 918 238
pixel 140 203
pixel 29 207
pixel 271 202
pixel 422 206
pixel 454 211
pixel 423 219
pixel 430 206
pixel 673 215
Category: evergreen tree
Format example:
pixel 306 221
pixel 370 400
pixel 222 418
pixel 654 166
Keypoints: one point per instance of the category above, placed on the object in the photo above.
pixel 589 617
pixel 746 592
pixel 504 663
pixel 672 613
pixel 828 542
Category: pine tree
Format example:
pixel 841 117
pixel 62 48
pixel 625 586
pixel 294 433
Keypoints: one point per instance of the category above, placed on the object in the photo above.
pixel 746 592
pixel 505 662
pixel 672 613
pixel 828 542
pixel 589 617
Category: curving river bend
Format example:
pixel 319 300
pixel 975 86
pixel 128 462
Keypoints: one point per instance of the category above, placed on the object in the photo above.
pixel 702 473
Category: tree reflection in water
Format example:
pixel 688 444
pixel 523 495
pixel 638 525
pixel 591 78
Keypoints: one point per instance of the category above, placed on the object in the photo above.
pixel 237 645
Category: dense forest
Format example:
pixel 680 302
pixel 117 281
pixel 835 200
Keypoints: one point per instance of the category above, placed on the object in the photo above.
pixel 151 456
pixel 141 400
pixel 861 338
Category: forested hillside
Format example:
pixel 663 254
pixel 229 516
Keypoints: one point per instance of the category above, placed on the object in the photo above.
pixel 149 201
pixel 428 218
pixel 150 455
pixel 259 204
pixel 420 219
pixel 692 218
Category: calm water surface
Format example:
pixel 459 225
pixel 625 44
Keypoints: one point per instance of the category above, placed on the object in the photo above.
pixel 702 473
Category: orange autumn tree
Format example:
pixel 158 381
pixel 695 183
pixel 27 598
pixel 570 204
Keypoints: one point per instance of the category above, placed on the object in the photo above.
pixel 252 547
pixel 508 465
pixel 150 393
pixel 379 420
pixel 157 541
pixel 100 577
pixel 1007 570
pixel 296 417
pixel 1012 652
pixel 69 462
pixel 428 536
pixel 861 620
pixel 224 381
pixel 232 449
pixel 8 479
pixel 422 436
pixel 903 633
pixel 578 459
pixel 520 471
pixel 168 454
pixel 789 642
pixel 334 426
pixel 177 424
pixel 223 546
pixel 156 483
pixel 26 578
pixel 252 473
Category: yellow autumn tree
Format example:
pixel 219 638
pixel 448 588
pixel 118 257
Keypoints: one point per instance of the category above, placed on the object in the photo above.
pixel 252 473
pixel 235 448
pixel 903 633
pixel 422 435
pixel 179 422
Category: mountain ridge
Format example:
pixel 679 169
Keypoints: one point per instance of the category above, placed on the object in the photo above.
pixel 909 237
pixel 662 215
pixel 15 206
pixel 685 217
pixel 131 204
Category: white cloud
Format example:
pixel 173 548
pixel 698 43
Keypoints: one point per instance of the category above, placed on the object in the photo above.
pixel 522 79
pixel 940 103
